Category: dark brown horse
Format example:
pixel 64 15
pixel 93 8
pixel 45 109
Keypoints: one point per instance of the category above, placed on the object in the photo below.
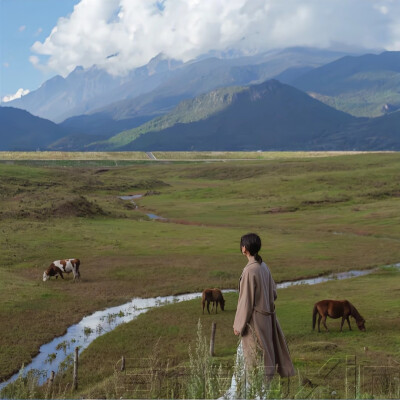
pixel 337 309
pixel 213 296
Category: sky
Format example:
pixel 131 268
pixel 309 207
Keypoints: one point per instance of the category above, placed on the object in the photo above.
pixel 43 38
pixel 22 23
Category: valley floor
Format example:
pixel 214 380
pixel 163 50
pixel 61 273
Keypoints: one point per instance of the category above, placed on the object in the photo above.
pixel 315 215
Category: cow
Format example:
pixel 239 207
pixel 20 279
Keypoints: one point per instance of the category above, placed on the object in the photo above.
pixel 63 266
pixel 213 296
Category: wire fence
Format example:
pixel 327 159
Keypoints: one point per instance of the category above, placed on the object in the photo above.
pixel 337 377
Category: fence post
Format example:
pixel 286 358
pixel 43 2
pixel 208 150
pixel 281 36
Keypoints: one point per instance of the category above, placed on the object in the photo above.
pixel 355 376
pixel 51 379
pixel 212 340
pixel 123 364
pixel 75 381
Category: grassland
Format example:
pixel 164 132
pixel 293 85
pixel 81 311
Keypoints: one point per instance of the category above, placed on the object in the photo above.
pixel 171 331
pixel 112 158
pixel 315 215
pixel 244 155
pixel 68 156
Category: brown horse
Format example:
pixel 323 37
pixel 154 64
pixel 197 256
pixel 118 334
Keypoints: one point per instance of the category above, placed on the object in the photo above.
pixel 337 309
pixel 213 296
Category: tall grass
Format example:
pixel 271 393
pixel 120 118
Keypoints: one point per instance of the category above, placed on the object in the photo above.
pixel 30 386
pixel 207 380
pixel 203 378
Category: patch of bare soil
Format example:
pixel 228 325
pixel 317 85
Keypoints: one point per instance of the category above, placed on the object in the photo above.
pixel 341 199
pixel 280 210
pixel 152 193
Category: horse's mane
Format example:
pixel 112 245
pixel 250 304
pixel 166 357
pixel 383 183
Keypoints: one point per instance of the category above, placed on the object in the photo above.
pixel 355 313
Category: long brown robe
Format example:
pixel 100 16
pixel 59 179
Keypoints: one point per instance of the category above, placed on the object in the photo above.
pixel 257 323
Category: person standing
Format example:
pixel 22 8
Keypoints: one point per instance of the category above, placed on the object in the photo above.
pixel 255 319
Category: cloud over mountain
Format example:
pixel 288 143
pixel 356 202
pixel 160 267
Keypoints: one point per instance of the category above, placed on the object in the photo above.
pixel 134 31
pixel 19 93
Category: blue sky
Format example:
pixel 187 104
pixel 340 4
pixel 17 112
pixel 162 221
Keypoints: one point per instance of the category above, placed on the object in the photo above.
pixel 42 38
pixel 22 22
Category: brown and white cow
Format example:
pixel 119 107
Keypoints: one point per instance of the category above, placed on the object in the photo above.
pixel 63 266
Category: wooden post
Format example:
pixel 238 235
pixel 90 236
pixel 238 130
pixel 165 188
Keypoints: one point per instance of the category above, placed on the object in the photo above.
pixel 355 376
pixel 123 364
pixel 75 381
pixel 212 340
pixel 51 379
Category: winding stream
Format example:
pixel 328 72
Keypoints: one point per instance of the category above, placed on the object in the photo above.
pixel 53 355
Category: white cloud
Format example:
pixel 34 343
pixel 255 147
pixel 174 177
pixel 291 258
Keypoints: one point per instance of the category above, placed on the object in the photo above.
pixel 20 92
pixel 34 60
pixel 138 30
pixel 6 64
pixel 22 28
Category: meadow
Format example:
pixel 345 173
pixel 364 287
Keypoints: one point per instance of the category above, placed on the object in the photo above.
pixel 316 215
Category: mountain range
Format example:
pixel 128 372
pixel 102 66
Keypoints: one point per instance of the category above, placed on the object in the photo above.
pixel 364 86
pixel 219 104
pixel 159 85
pixel 268 116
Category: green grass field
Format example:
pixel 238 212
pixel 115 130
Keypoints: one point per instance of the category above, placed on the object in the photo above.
pixel 68 156
pixel 170 331
pixel 112 158
pixel 315 215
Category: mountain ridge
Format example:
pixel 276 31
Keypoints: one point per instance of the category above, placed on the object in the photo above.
pixel 275 116
pixel 22 131
pixel 363 85
pixel 93 90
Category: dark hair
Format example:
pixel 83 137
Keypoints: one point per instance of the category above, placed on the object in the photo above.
pixel 252 242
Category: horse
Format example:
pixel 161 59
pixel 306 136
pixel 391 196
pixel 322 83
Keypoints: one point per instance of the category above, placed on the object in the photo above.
pixel 213 296
pixel 58 267
pixel 336 309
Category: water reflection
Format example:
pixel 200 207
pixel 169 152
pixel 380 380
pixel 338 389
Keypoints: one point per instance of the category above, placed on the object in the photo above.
pixel 326 278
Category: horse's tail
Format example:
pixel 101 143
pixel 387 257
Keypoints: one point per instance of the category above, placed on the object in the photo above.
pixel 314 316
pixel 222 302
pixel 203 299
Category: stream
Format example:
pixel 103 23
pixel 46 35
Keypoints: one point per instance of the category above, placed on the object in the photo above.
pixel 54 355
pixel 132 197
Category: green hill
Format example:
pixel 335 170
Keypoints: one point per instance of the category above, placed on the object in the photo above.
pixel 188 111
pixel 380 133
pixel 269 116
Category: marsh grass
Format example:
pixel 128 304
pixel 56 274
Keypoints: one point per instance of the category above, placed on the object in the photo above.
pixel 206 380
pixel 30 386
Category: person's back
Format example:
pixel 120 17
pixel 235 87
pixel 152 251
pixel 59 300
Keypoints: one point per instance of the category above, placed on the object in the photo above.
pixel 266 292
pixel 255 318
